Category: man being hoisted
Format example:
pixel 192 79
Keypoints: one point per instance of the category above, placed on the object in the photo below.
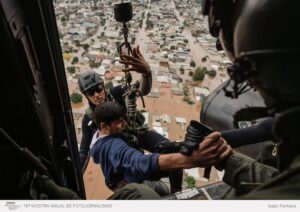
pixel 92 86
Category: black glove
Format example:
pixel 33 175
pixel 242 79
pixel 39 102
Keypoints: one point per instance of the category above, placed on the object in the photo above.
pixel 195 134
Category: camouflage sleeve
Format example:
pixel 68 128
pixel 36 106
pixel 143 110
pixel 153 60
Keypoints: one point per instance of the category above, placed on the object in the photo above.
pixel 243 171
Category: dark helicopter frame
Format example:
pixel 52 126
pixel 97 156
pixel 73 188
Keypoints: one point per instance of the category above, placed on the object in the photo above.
pixel 37 128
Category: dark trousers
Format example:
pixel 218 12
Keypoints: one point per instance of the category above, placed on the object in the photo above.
pixel 150 141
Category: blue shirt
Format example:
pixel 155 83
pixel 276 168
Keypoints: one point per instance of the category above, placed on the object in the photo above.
pixel 122 162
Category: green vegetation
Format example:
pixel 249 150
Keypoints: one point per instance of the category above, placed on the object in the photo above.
pixel 199 74
pixel 193 64
pixel 74 60
pixel 191 73
pixel 181 70
pixel 76 97
pixel 211 73
pixel 202 98
pixel 86 47
pixel 77 43
pixel 102 22
pixel 185 90
pixel 188 100
pixel 71 70
pixel 191 182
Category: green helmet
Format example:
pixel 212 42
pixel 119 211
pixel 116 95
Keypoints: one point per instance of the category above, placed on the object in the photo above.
pixel 266 47
pixel 88 80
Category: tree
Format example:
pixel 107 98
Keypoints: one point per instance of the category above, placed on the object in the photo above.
pixel 191 73
pixel 172 47
pixel 74 60
pixel 185 90
pixel 76 97
pixel 71 70
pixel 211 73
pixel 77 43
pixel 181 70
pixel 203 60
pixel 199 74
pixel 191 182
pixel 193 64
pixel 102 34
pixel 186 41
pixel 186 98
pixel 86 47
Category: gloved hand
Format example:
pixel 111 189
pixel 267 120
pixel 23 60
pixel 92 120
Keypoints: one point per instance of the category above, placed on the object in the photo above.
pixel 195 134
pixel 44 184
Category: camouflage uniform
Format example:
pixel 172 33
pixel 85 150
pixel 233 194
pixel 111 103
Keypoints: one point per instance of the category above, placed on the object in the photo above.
pixel 264 182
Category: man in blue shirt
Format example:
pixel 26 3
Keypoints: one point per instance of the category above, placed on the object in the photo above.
pixel 92 86
pixel 122 164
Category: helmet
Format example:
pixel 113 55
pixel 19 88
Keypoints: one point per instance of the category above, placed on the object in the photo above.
pixel 220 17
pixel 88 80
pixel 266 46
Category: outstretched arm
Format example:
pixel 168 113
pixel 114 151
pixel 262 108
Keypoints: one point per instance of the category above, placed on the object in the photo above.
pixel 140 65
pixel 212 150
pixel 255 134
pixel 242 171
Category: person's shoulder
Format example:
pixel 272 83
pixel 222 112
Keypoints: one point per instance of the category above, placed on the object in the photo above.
pixel 85 117
pixel 86 120
pixel 116 141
